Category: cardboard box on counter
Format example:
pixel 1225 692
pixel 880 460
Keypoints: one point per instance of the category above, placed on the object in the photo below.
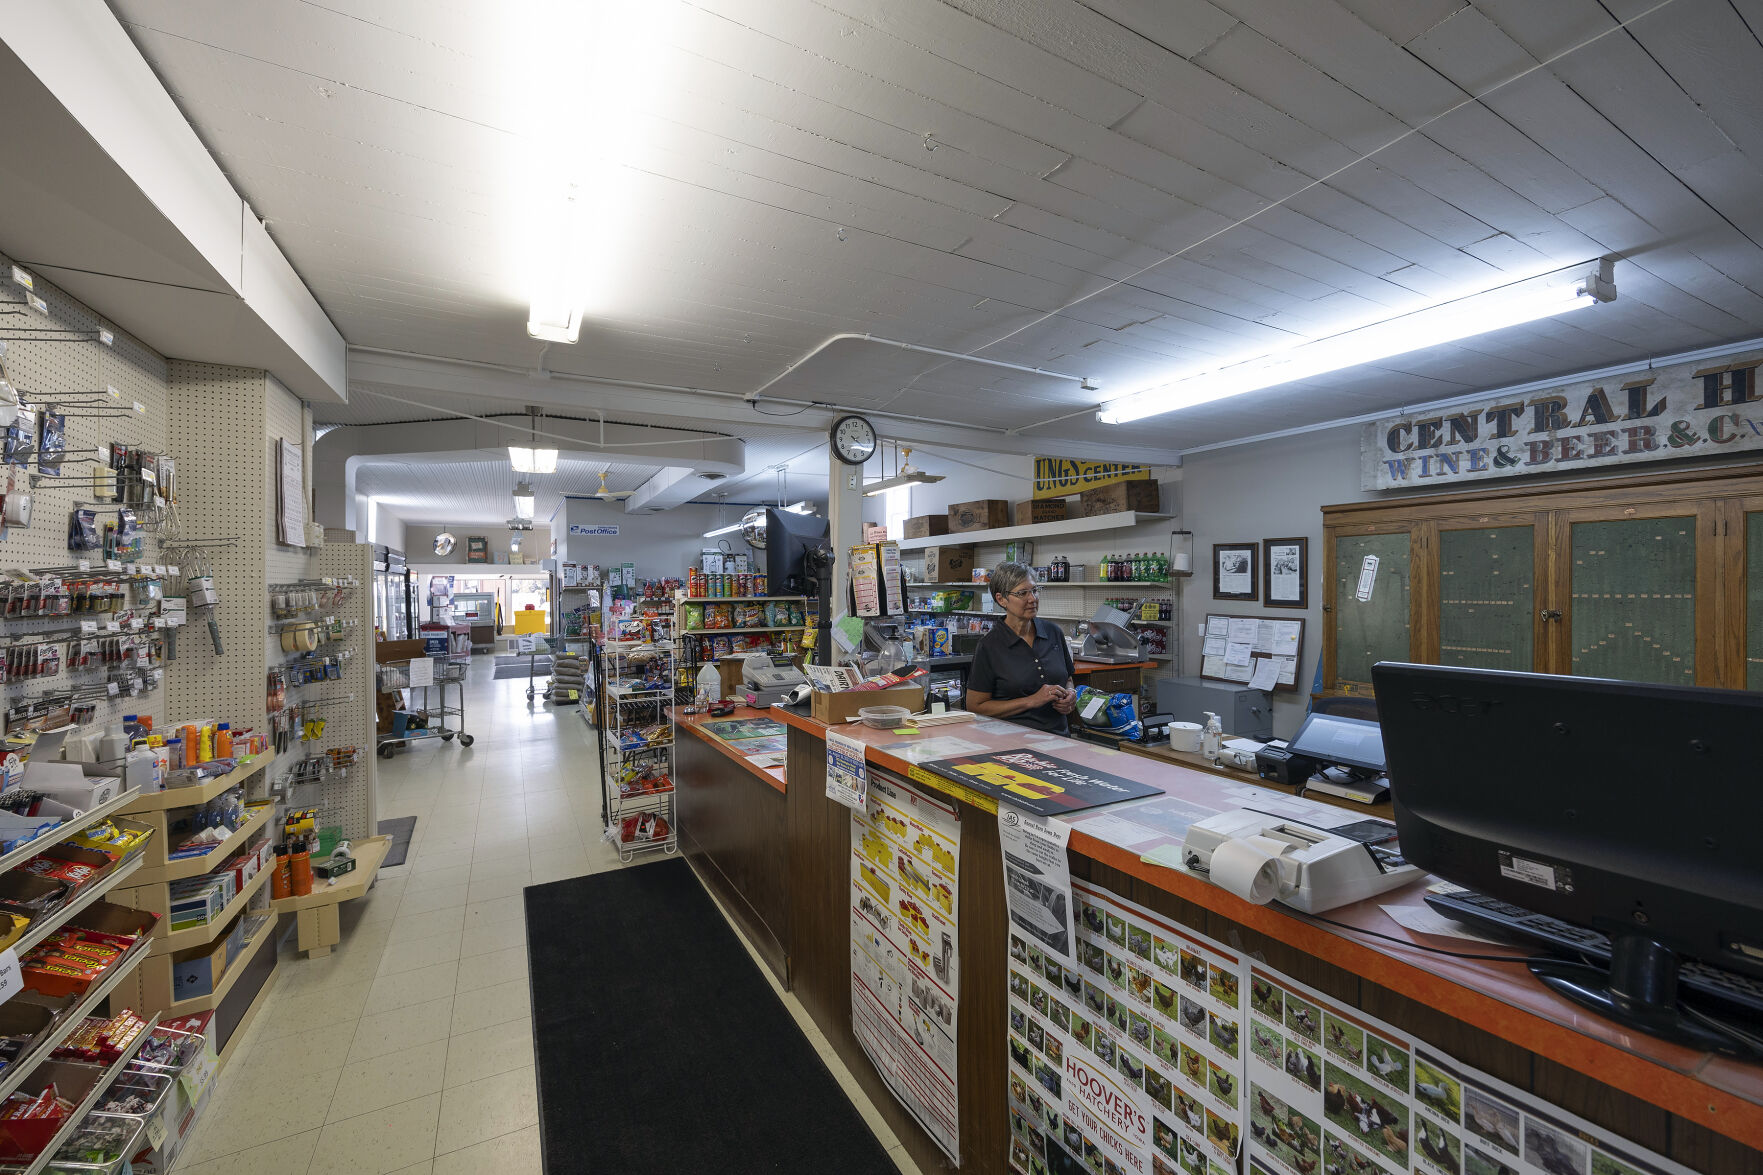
pixel 925 526
pixel 832 708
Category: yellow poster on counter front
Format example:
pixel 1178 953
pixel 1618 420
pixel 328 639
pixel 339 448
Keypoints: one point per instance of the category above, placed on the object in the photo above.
pixel 1060 477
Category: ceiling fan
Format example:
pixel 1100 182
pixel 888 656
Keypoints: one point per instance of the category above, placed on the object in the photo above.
pixel 606 495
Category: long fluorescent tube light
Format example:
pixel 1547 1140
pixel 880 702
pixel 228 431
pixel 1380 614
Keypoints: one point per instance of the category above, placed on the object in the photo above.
pixel 1491 310
pixel 532 460
pixel 905 479
pixel 523 501
pixel 729 529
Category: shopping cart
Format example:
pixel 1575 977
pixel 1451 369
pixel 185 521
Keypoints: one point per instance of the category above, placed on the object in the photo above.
pixel 427 718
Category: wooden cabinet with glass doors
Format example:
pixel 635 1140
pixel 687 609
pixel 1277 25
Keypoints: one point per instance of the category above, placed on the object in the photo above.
pixel 1656 578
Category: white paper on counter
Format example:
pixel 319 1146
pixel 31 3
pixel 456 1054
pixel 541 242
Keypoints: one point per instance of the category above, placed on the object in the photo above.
pixel 1037 880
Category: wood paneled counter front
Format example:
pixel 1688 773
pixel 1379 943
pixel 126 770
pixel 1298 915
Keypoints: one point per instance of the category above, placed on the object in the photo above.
pixel 780 859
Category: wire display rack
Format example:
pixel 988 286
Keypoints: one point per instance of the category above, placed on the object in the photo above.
pixel 636 681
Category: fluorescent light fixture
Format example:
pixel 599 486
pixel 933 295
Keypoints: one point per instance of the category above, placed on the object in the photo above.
pixel 1476 314
pixel 803 507
pixel 729 529
pixel 532 460
pixel 523 502
pixel 581 80
pixel 915 478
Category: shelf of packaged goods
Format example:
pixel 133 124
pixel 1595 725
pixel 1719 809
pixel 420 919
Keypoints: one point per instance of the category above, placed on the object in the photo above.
pixel 20 1069
pixel 369 854
pixel 86 1103
pixel 738 631
pixel 67 828
pixel 1045 584
pixel 171 941
pixel 42 928
pixel 200 793
pixel 194 866
pixel 235 968
pixel 735 599
pixel 95 994
pixel 1005 534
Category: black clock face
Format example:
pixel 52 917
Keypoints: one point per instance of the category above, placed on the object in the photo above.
pixel 853 439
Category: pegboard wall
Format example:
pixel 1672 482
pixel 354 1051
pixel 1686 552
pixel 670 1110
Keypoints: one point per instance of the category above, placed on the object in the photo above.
pixel 349 797
pixel 219 416
pixel 56 359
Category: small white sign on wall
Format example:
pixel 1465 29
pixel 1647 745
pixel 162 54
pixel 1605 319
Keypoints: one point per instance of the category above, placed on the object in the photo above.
pixel 578 528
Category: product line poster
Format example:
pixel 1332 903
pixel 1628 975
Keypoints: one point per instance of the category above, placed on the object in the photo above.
pixel 1132 1065
pixel 905 967
pixel 1331 1088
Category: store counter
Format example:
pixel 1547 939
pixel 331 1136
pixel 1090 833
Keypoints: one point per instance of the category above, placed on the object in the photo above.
pixel 787 859
pixel 731 813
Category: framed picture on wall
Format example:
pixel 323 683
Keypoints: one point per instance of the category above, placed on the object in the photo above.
pixel 1233 571
pixel 1285 573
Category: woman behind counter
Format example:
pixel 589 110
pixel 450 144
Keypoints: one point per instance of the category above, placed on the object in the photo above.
pixel 1022 669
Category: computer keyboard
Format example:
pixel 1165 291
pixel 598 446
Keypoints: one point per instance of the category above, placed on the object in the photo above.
pixel 1489 913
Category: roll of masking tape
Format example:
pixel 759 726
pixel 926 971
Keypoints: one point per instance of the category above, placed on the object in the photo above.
pixel 1248 868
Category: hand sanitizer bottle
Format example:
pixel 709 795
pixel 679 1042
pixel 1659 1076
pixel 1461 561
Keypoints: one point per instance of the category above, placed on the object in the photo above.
pixel 1211 737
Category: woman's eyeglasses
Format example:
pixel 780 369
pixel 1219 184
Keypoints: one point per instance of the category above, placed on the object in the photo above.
pixel 1027 593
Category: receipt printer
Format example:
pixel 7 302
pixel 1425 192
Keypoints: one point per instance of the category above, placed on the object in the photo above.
pixel 1280 765
pixel 768 680
pixel 1263 858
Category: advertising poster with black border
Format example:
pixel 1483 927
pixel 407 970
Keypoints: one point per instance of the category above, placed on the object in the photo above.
pixel 1132 1065
pixel 905 964
pixel 1331 1088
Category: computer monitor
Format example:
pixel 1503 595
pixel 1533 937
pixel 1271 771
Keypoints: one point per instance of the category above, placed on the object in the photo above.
pixel 1629 808
pixel 1348 742
pixel 788 539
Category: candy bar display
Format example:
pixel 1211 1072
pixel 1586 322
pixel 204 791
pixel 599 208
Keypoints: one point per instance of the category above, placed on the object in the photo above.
pixel 139 1093
pixel 100 1041
pixel 102 1142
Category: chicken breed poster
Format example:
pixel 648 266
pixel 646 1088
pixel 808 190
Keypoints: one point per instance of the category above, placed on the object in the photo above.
pixel 905 969
pixel 1332 1091
pixel 1132 1065
pixel 1170 1054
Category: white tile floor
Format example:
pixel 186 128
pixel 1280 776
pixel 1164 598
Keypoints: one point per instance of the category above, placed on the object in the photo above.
pixel 409 1049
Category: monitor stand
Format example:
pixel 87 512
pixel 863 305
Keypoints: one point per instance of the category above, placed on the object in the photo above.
pixel 1639 989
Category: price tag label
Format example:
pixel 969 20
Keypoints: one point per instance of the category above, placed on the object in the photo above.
pixel 134 624
pixel 112 626
pixel 159 569
pixel 156 1131
pixel 37 304
pixel 140 410
pixel 113 564
pixel 11 978
pixel 85 565
pixel 88 627
pixel 110 688
pixel 24 279
pixel 112 393
pixel 171 569
pixel 106 337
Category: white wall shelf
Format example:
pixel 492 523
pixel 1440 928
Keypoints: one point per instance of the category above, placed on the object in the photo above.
pixel 1004 534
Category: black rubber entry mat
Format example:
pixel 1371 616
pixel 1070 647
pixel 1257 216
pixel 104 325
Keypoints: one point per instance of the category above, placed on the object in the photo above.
pixel 400 829
pixel 661 1047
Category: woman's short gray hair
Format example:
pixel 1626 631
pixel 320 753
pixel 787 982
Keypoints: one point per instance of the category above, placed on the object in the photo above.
pixel 1010 577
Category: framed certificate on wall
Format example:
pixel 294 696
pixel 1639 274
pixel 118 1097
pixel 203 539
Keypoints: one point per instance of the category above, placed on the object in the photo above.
pixel 1285 573
pixel 1233 571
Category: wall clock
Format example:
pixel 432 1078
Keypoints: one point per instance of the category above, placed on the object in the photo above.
pixel 853 439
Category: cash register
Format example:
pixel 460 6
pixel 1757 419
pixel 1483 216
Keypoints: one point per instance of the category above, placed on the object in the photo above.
pixel 768 680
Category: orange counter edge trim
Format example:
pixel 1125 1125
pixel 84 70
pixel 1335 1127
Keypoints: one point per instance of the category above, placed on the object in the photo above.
pixel 1682 1094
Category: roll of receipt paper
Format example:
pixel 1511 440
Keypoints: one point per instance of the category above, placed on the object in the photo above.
pixel 1249 868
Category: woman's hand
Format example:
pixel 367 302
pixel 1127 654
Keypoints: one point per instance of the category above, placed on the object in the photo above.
pixel 1066 702
pixel 1047 695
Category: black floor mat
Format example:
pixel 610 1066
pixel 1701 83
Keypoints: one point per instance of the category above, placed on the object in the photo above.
pixel 400 829
pixel 661 1047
